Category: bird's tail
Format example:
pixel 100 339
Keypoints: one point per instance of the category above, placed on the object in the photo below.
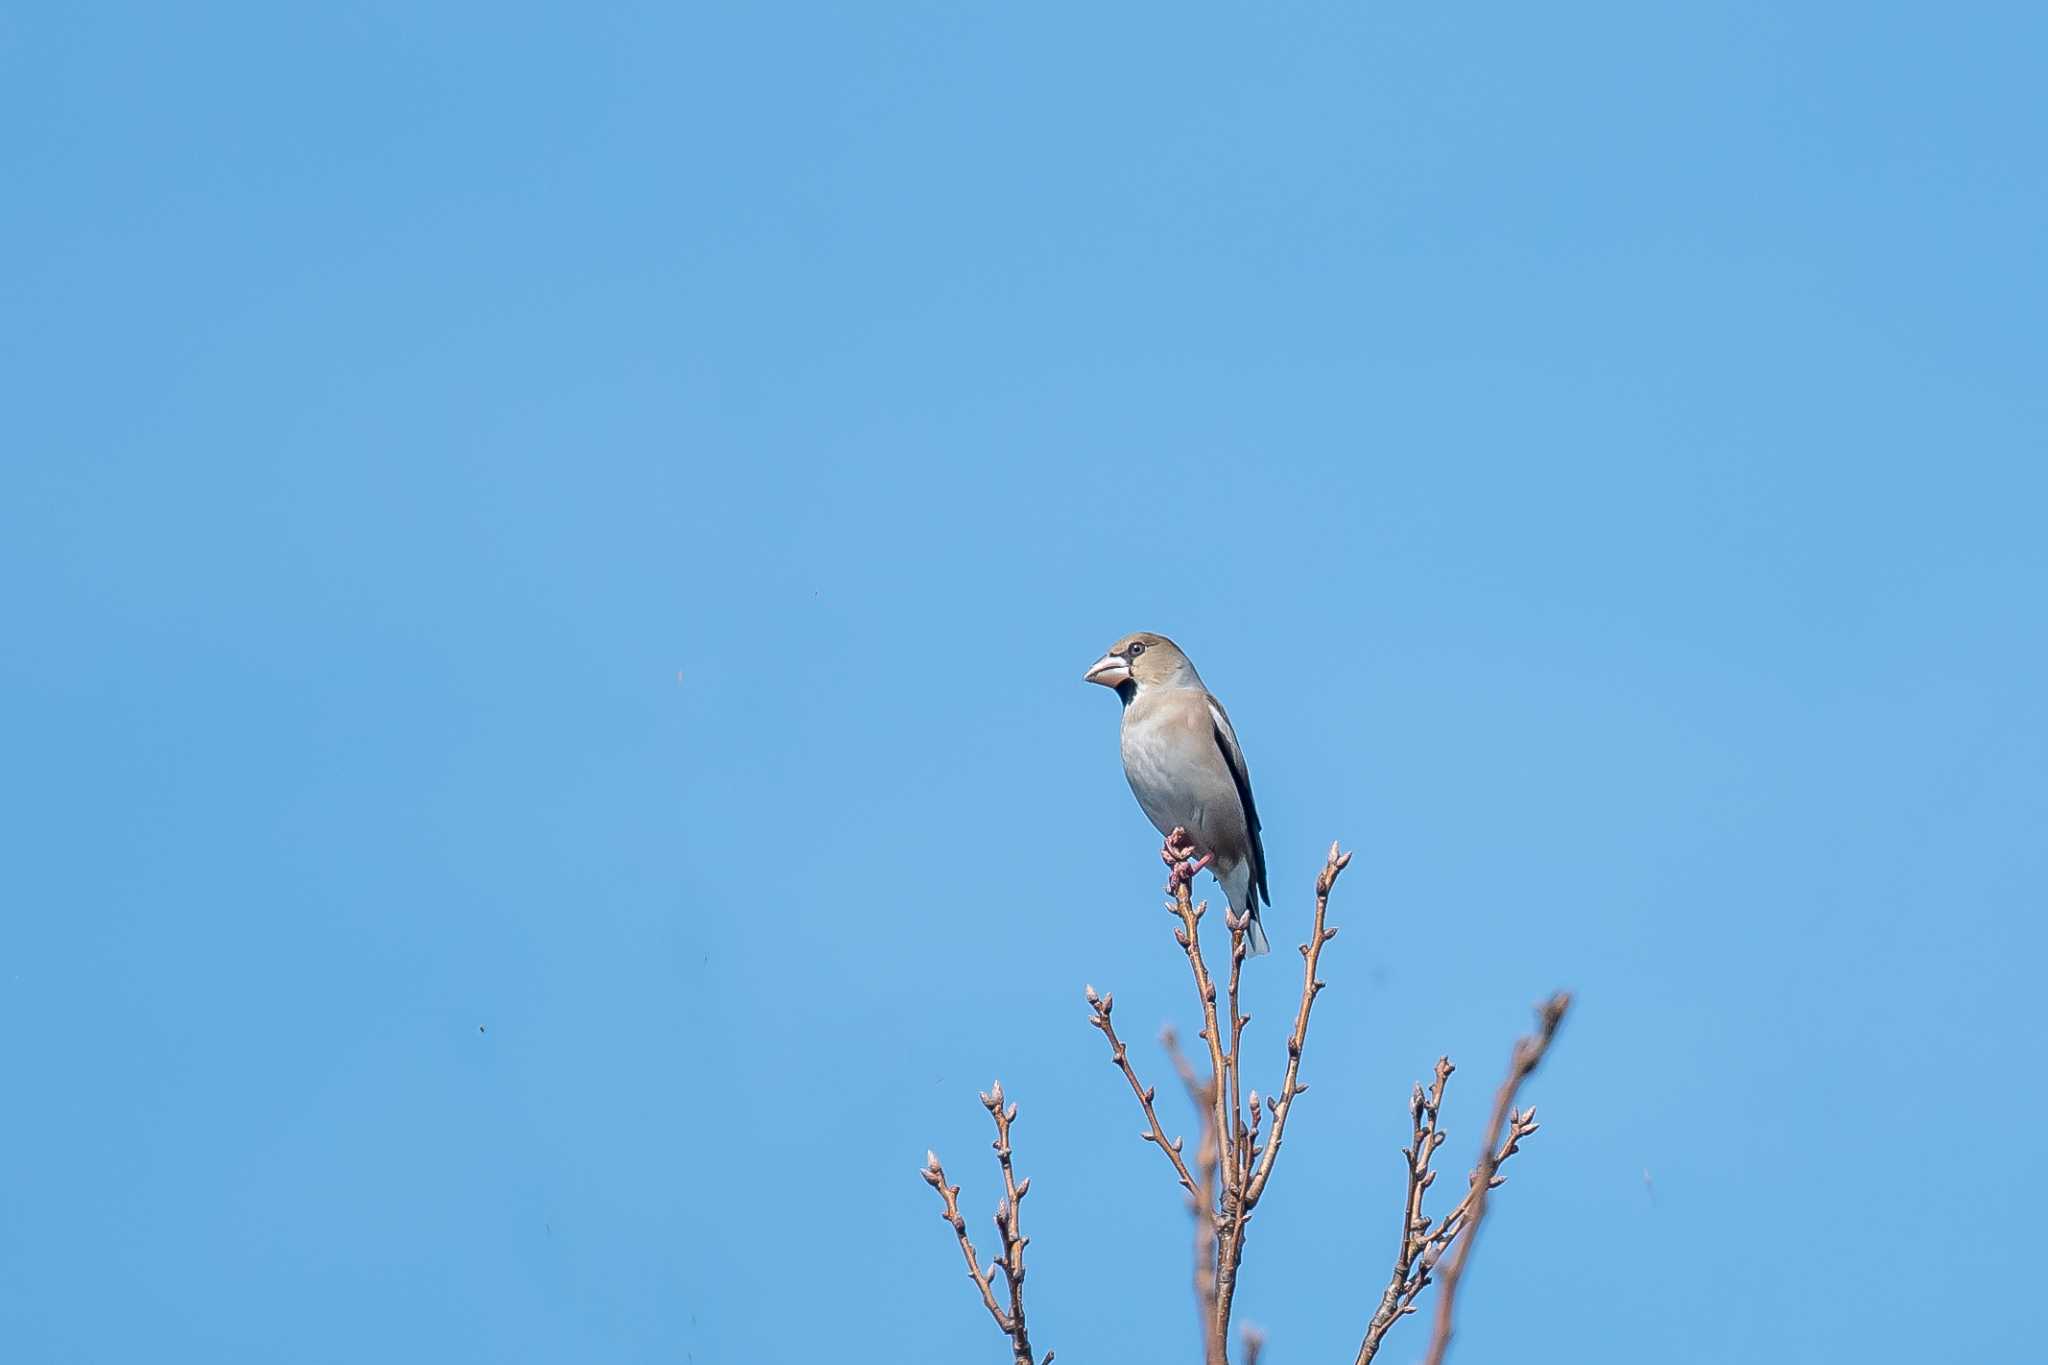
pixel 1256 934
pixel 1237 883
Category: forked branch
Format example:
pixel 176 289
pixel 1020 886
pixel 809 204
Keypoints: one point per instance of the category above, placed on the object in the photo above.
pixel 1240 1140
pixel 1233 1163
pixel 1423 1241
pixel 1492 1152
pixel 1008 1228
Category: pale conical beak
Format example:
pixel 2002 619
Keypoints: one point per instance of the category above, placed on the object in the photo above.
pixel 1110 670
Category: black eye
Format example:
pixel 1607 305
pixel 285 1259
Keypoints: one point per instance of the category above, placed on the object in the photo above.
pixel 1137 648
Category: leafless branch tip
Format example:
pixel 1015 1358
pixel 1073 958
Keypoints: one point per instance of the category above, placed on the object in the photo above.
pixel 1009 1230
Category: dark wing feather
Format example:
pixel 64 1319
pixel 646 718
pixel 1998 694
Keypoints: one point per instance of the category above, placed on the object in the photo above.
pixel 1233 758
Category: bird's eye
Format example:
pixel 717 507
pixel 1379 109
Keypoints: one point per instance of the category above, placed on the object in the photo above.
pixel 1137 648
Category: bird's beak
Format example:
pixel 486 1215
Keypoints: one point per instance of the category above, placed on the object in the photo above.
pixel 1110 670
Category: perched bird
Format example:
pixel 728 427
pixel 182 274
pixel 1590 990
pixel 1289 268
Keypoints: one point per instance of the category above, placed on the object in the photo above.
pixel 1184 766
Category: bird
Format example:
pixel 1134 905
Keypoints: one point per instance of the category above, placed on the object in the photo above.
pixel 1184 765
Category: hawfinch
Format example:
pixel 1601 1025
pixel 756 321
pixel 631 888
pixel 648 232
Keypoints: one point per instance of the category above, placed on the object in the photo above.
pixel 1184 766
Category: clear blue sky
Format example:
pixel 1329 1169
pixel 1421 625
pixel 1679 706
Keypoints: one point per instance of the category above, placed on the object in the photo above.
pixel 552 552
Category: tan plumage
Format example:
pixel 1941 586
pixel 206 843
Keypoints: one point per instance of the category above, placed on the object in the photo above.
pixel 1182 759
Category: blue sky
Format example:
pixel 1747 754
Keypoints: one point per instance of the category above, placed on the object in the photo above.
pixel 553 553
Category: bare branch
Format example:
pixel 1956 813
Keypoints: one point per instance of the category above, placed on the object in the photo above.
pixel 1407 1281
pixel 1099 1007
pixel 1423 1242
pixel 1009 1228
pixel 1176 852
pixel 1240 944
pixel 1204 1207
pixel 1521 1123
pixel 1232 1185
pixel 1241 1134
pixel 935 1176
pixel 1494 1150
pixel 1311 955
pixel 1216 1111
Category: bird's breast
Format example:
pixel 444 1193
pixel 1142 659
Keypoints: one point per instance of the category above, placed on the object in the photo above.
pixel 1161 762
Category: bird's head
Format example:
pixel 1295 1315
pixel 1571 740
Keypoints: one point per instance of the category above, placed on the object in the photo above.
pixel 1142 660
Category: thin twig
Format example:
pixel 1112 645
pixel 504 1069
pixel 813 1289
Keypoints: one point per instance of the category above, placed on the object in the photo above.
pixel 1403 1285
pixel 1188 935
pixel 935 1176
pixel 1099 1007
pixel 1203 1207
pixel 1521 1123
pixel 1238 1203
pixel 1423 1243
pixel 1010 1220
pixel 1494 1150
pixel 1311 954
pixel 1008 1228
pixel 1240 943
pixel 1216 1343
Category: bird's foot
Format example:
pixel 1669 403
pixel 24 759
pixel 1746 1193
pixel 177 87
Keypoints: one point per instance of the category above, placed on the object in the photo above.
pixel 1179 857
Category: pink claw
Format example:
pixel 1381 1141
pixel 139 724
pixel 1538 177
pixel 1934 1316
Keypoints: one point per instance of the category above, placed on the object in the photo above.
pixel 1179 872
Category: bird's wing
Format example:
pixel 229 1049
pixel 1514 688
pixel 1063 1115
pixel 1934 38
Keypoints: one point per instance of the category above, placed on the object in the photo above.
pixel 1233 759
